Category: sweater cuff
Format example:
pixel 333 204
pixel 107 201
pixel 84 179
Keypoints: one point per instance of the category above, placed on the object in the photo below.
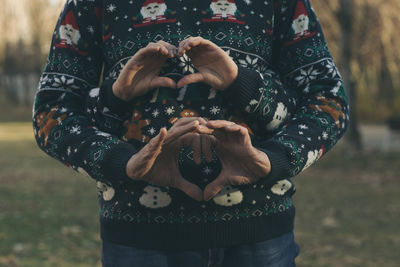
pixel 279 160
pixel 244 88
pixel 114 103
pixel 114 162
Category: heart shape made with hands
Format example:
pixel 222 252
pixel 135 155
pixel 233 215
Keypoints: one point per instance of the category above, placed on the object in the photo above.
pixel 235 161
pixel 141 73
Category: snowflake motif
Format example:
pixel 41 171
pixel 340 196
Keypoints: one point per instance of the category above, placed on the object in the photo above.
pixel 111 8
pixel 247 2
pixel 303 127
pixel 155 113
pixel 325 135
pixel 306 76
pixel 63 82
pixel 332 69
pixel 207 170
pixel 215 110
pixel 75 130
pixel 68 151
pixel 249 62
pixel 170 110
pixel 152 131
pixel 186 64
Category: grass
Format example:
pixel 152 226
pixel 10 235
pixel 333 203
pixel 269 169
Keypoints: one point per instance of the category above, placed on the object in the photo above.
pixel 348 209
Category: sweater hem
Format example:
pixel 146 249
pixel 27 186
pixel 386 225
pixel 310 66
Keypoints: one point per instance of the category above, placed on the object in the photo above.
pixel 221 234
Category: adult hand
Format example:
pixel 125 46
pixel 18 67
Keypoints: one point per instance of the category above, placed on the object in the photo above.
pixel 157 162
pixel 141 73
pixel 215 67
pixel 241 162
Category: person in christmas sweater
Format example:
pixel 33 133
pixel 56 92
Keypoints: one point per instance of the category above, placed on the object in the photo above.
pixel 232 205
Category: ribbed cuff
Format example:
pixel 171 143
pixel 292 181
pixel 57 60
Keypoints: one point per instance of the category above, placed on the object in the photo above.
pixel 115 104
pixel 279 160
pixel 114 163
pixel 244 88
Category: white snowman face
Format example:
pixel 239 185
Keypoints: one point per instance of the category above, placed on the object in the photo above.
pixel 153 10
pixel 154 198
pixel 223 7
pixel 67 32
pixel 106 191
pixel 300 24
pixel 279 117
pixel 281 187
pixel 228 196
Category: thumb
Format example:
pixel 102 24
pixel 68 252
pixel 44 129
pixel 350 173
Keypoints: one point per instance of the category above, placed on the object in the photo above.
pixel 191 78
pixel 162 82
pixel 213 188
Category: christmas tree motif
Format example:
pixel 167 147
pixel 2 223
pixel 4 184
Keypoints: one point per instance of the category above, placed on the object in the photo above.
pixel 135 126
pixel 281 187
pixel 332 107
pixel 106 191
pixel 153 12
pixel 155 197
pixel 69 35
pixel 278 118
pixel 301 25
pixel 46 122
pixel 223 10
pixel 228 196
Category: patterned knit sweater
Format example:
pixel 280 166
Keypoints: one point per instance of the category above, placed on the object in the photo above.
pixel 288 93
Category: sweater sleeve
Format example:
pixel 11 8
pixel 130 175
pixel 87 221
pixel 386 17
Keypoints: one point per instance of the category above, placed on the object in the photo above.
pixel 315 114
pixel 61 124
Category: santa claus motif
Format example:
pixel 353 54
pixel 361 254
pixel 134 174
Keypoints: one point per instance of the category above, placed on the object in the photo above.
pixel 69 35
pixel 153 11
pixel 301 23
pixel 223 10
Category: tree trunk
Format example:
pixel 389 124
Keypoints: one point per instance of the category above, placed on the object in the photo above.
pixel 344 16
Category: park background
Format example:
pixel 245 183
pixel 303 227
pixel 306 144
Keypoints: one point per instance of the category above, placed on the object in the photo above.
pixel 348 208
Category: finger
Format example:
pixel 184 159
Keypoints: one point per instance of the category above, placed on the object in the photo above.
pixel 172 50
pixel 213 188
pixel 156 143
pixel 217 124
pixel 176 132
pixel 128 73
pixel 206 146
pixel 189 189
pixel 191 78
pixel 162 82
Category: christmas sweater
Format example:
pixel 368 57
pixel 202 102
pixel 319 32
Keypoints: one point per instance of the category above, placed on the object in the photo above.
pixel 288 93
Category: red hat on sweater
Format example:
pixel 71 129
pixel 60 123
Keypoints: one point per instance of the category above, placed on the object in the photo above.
pixel 147 2
pixel 70 19
pixel 300 10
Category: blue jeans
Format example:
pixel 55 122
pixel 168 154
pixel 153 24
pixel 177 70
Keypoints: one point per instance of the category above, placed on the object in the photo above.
pixel 278 252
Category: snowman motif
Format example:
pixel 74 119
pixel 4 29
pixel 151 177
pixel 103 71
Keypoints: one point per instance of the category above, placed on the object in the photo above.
pixel 279 117
pixel 228 196
pixel 281 187
pixel 155 198
pixel 106 191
